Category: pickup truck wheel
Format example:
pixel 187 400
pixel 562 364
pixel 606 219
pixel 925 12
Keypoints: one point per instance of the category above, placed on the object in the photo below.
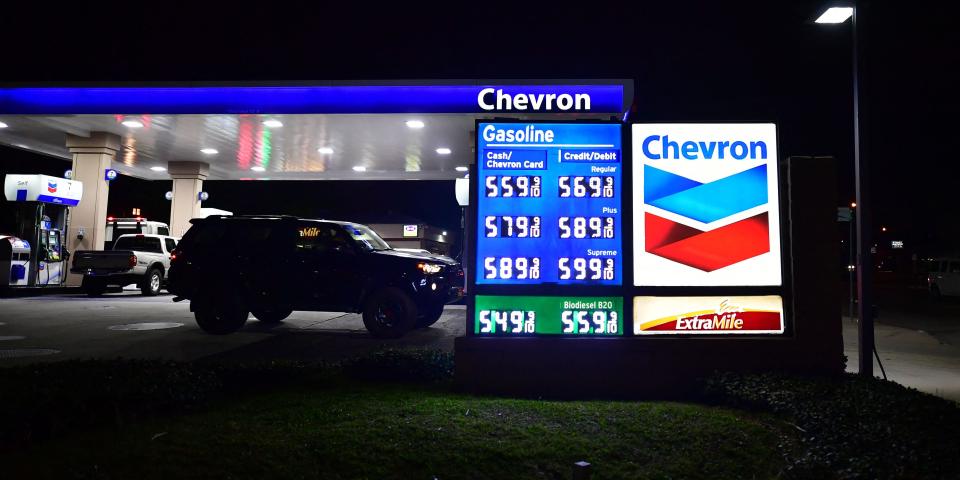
pixel 430 316
pixel 219 317
pixel 94 288
pixel 271 314
pixel 152 282
pixel 389 313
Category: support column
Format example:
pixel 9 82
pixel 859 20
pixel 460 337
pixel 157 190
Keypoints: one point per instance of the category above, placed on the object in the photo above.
pixel 187 184
pixel 92 156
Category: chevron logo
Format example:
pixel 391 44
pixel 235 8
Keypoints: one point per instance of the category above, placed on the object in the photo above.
pixel 709 249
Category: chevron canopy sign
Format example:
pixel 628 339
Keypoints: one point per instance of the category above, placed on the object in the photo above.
pixel 706 205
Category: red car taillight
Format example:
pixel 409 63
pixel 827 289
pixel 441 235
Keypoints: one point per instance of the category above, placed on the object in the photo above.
pixel 133 261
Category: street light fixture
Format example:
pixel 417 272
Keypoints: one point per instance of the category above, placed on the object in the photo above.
pixel 835 15
pixel 864 266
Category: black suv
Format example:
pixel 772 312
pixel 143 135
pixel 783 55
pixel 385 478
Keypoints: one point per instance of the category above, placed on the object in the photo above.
pixel 231 266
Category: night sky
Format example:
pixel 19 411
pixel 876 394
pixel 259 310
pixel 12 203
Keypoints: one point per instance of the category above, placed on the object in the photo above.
pixel 691 61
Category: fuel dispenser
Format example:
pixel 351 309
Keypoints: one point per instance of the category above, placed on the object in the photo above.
pixel 14 261
pixel 42 214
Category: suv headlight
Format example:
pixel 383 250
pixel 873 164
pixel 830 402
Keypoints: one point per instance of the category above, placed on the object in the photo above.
pixel 429 267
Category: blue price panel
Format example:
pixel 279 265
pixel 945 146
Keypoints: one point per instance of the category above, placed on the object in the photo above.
pixel 549 203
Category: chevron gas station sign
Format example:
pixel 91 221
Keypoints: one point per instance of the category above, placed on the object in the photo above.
pixel 706 205
pixel 696 213
pixel 705 245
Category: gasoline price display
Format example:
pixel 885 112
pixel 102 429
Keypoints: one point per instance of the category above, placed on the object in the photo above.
pixel 586 268
pixel 509 226
pixel 509 186
pixel 549 207
pixel 511 268
pixel 586 227
pixel 537 315
pixel 580 187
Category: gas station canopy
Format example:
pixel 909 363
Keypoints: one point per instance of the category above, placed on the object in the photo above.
pixel 350 131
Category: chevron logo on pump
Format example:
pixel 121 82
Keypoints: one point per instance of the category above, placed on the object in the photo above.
pixel 706 211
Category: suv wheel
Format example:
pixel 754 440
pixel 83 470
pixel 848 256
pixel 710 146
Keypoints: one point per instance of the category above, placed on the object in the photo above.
pixel 152 282
pixel 219 317
pixel 430 316
pixel 935 292
pixel 94 288
pixel 389 313
pixel 271 314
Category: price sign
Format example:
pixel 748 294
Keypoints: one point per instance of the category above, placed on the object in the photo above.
pixel 549 203
pixel 527 315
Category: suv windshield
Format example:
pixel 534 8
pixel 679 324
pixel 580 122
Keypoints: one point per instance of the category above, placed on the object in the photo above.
pixel 366 238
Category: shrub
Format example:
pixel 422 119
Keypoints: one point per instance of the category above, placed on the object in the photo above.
pixel 402 366
pixel 852 427
pixel 42 400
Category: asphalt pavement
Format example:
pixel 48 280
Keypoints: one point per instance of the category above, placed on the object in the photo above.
pixel 59 327
pixel 918 338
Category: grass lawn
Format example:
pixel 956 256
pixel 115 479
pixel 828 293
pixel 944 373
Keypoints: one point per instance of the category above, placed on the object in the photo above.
pixel 342 428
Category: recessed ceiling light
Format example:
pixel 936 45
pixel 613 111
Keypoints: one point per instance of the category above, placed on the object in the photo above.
pixel 273 123
pixel 3 125
pixel 443 151
pixel 325 150
pixel 158 168
pixel 209 151
pixel 132 123
pixel 359 168
pixel 258 169
pixel 462 169
pixel 414 123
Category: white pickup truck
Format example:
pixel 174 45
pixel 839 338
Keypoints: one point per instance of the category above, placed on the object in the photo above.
pixel 143 259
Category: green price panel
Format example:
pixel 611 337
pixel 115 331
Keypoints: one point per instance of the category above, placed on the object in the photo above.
pixel 568 316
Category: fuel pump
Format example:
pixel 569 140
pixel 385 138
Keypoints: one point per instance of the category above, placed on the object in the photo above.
pixel 42 213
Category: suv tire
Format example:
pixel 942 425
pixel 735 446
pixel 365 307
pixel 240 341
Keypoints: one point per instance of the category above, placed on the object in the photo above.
pixel 219 316
pixel 430 316
pixel 389 313
pixel 271 315
pixel 152 282
pixel 94 288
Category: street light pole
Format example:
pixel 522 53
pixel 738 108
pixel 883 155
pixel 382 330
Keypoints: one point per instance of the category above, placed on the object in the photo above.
pixel 851 262
pixel 864 238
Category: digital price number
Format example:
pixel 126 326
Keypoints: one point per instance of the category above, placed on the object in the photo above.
pixel 506 226
pixel 589 322
pixel 536 315
pixel 587 268
pixel 520 268
pixel 549 199
pixel 586 227
pixel 507 321
pixel 507 186
pixel 586 187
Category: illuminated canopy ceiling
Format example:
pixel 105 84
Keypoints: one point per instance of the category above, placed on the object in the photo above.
pixel 355 132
